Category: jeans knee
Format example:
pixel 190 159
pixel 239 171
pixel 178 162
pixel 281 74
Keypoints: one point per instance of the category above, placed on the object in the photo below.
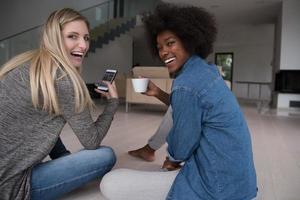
pixel 108 154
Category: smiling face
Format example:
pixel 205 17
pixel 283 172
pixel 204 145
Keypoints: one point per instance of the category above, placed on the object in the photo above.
pixel 171 51
pixel 76 40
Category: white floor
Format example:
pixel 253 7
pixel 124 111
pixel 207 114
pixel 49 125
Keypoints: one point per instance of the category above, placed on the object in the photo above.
pixel 275 141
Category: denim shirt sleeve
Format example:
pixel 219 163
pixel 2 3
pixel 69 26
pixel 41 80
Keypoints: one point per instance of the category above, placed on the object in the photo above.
pixel 185 134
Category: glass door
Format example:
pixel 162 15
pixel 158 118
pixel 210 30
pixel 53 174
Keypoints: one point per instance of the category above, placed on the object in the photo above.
pixel 224 62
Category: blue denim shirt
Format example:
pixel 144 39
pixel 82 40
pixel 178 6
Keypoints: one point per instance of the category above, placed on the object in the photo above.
pixel 211 136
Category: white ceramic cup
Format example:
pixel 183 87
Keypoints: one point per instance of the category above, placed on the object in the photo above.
pixel 140 84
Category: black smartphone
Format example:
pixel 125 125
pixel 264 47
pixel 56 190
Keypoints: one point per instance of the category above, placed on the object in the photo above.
pixel 109 75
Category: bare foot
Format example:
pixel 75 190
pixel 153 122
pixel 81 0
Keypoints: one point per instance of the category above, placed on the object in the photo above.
pixel 170 166
pixel 146 153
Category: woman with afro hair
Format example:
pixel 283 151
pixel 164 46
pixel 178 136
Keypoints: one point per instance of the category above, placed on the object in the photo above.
pixel 209 133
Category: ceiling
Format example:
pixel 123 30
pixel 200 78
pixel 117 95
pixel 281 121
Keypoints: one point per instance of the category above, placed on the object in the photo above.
pixel 239 11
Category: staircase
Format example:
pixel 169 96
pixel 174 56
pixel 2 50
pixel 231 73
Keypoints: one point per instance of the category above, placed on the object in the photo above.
pixel 104 33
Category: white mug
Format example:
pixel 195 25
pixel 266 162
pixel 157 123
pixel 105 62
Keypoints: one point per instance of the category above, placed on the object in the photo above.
pixel 140 84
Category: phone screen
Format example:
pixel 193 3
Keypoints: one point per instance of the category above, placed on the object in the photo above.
pixel 109 75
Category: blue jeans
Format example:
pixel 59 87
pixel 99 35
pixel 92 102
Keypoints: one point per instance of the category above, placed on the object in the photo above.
pixel 52 179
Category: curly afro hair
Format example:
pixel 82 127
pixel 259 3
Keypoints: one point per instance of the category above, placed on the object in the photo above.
pixel 195 27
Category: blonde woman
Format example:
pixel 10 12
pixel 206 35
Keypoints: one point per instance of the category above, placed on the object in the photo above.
pixel 41 91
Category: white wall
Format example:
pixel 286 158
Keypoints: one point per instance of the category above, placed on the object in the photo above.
pixel 290 46
pixel 290 40
pixel 19 15
pixel 252 46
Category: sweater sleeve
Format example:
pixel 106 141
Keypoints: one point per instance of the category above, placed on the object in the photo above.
pixel 89 132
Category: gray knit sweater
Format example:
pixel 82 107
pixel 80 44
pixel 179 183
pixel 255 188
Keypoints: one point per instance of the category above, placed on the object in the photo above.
pixel 27 135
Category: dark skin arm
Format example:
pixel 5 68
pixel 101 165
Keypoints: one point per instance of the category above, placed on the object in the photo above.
pixel 164 97
pixel 155 91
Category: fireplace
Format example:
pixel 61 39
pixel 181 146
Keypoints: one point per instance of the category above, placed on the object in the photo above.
pixel 288 81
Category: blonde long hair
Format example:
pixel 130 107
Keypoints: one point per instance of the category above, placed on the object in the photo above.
pixel 47 59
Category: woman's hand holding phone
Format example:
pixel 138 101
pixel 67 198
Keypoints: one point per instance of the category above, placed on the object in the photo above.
pixel 112 90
